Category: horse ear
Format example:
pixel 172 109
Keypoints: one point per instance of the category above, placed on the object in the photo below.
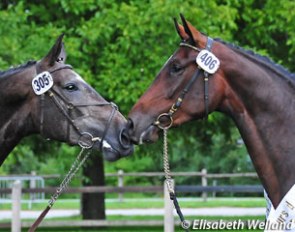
pixel 187 30
pixel 180 30
pixel 193 36
pixel 57 53
pixel 176 26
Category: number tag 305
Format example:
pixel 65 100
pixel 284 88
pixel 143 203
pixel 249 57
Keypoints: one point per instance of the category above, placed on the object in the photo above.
pixel 208 61
pixel 42 83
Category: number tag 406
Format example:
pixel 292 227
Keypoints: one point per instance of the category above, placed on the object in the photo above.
pixel 208 61
pixel 42 83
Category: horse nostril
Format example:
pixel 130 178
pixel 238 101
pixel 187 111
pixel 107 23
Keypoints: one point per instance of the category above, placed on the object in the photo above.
pixel 130 124
pixel 124 139
pixel 131 132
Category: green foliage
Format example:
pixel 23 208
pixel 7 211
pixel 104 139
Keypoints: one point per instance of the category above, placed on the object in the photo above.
pixel 269 26
pixel 119 46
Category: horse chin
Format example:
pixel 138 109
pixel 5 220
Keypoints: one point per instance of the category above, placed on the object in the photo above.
pixel 110 155
pixel 150 135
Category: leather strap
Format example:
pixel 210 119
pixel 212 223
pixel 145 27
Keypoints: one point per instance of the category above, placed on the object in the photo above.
pixel 39 219
pixel 206 80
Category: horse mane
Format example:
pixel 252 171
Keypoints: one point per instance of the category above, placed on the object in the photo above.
pixel 17 69
pixel 264 60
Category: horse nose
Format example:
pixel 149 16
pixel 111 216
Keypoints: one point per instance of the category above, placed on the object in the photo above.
pixel 130 131
pixel 124 139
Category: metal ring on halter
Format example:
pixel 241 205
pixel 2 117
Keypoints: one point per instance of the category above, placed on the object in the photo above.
pixel 114 105
pixel 164 126
pixel 86 140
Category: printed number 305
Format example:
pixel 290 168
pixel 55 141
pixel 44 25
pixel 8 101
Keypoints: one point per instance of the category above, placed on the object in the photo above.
pixel 41 82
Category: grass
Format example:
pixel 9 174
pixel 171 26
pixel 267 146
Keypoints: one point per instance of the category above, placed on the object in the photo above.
pixel 149 228
pixel 145 203
pixel 105 229
pixel 190 203
pixel 143 229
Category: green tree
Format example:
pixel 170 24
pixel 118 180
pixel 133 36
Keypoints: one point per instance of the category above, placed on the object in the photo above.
pixel 119 47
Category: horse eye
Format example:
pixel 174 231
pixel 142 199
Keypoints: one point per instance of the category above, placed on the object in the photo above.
pixel 71 87
pixel 176 68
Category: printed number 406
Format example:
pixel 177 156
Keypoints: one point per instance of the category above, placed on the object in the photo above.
pixel 208 61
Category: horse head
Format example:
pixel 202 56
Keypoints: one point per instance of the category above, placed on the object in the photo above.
pixel 53 100
pixel 205 75
pixel 167 90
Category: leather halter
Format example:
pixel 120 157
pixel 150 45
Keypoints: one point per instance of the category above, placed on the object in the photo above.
pixel 86 139
pixel 165 126
pixel 188 86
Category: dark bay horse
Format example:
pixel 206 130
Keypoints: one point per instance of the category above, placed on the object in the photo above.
pixel 256 93
pixel 48 97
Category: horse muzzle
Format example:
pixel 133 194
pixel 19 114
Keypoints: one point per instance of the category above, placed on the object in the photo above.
pixel 138 136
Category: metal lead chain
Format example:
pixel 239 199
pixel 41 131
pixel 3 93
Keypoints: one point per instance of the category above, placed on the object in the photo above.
pixel 72 172
pixel 166 164
pixel 169 181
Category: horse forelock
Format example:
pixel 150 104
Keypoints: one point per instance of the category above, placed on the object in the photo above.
pixel 15 70
pixel 262 60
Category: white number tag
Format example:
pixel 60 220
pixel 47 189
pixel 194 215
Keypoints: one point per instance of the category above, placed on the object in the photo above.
pixel 208 61
pixel 281 219
pixel 42 83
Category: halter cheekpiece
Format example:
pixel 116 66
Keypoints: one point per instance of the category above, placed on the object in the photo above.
pixel 86 139
pixel 165 120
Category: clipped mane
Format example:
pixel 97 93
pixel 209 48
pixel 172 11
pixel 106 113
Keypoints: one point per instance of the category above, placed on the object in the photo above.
pixel 17 69
pixel 263 60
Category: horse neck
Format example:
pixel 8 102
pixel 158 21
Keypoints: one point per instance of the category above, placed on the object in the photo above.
pixel 263 107
pixel 15 119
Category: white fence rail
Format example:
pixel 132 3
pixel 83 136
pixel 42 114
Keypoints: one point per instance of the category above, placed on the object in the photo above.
pixel 17 190
pixel 30 181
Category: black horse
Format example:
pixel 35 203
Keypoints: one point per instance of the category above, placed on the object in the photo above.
pixel 48 97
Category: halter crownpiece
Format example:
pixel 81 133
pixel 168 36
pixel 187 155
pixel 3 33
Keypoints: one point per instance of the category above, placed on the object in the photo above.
pixel 190 46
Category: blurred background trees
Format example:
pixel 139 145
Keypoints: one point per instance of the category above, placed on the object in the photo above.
pixel 119 47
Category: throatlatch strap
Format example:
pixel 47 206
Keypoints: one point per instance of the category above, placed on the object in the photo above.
pixel 206 80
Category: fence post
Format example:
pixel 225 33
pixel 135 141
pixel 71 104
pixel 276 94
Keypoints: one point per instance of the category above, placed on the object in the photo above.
pixel 16 206
pixel 214 184
pixel 32 185
pixel 168 210
pixel 120 183
pixel 204 183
